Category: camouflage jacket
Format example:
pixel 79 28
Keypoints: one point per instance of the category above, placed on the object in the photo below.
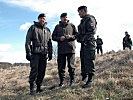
pixel 68 45
pixel 40 38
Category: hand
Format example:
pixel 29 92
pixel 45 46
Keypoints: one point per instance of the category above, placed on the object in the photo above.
pixel 49 56
pixel 68 36
pixel 62 38
pixel 28 56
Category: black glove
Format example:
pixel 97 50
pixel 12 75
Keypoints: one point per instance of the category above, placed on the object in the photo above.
pixel 49 56
pixel 28 56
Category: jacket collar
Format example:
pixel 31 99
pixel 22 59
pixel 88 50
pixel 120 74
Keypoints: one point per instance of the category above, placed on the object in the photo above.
pixel 39 25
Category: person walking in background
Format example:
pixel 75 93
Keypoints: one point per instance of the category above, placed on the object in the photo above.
pixel 86 31
pixel 40 37
pixel 64 34
pixel 127 42
pixel 99 44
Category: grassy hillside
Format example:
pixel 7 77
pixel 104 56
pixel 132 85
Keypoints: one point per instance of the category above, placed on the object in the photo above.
pixel 113 81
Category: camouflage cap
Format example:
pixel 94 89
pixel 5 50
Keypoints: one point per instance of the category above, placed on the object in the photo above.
pixel 63 14
pixel 41 15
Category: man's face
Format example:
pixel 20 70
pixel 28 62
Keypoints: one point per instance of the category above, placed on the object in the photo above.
pixel 82 13
pixel 42 20
pixel 64 19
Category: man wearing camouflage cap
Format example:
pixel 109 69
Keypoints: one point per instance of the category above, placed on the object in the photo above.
pixel 64 33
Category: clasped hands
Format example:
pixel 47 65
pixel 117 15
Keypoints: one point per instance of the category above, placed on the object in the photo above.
pixel 62 38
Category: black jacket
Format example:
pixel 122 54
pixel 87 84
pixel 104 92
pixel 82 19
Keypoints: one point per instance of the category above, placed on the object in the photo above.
pixel 86 31
pixel 99 42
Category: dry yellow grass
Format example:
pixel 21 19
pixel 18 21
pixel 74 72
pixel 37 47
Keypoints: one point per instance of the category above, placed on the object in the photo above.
pixel 113 80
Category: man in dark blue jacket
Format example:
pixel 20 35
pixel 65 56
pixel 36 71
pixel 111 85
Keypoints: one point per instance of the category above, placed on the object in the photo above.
pixel 99 43
pixel 86 31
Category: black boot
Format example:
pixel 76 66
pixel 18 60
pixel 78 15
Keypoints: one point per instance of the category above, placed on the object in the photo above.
pixel 38 88
pixel 61 82
pixel 72 80
pixel 89 82
pixel 32 89
pixel 84 77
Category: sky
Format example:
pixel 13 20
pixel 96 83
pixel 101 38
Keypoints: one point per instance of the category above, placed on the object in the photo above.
pixel 114 17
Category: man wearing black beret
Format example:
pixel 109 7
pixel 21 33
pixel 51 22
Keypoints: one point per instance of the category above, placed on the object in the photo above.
pixel 64 34
pixel 86 31
pixel 40 37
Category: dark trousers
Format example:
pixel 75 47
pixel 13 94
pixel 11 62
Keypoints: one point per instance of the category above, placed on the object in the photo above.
pixel 99 48
pixel 127 47
pixel 62 58
pixel 38 67
pixel 87 58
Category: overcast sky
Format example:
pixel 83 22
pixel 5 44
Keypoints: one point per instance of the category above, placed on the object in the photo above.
pixel 114 17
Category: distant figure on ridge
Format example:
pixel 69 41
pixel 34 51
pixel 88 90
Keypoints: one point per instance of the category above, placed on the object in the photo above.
pixel 127 42
pixel 99 44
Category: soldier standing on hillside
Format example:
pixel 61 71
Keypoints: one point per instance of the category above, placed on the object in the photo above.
pixel 87 29
pixel 40 37
pixel 64 33
pixel 99 44
pixel 127 42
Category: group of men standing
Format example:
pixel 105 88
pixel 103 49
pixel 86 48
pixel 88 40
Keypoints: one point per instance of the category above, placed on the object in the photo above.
pixel 39 48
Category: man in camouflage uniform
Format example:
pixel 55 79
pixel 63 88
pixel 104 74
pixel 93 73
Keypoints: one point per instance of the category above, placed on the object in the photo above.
pixel 99 43
pixel 64 33
pixel 127 42
pixel 40 37
pixel 87 29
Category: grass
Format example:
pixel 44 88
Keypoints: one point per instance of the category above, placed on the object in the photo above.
pixel 113 81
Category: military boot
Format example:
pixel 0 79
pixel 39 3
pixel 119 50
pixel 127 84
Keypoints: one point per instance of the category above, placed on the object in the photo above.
pixel 89 82
pixel 84 77
pixel 38 88
pixel 61 82
pixel 72 80
pixel 32 89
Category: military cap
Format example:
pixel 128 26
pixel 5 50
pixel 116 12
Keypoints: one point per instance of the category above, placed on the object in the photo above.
pixel 82 7
pixel 41 15
pixel 63 14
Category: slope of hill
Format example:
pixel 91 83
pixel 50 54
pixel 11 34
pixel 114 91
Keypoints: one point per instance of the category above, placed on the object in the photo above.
pixel 113 81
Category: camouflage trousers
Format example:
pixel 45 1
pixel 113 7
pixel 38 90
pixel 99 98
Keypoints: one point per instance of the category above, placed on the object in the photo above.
pixel 38 66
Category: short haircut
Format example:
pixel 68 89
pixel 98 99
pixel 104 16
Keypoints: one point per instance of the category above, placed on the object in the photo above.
pixel 82 8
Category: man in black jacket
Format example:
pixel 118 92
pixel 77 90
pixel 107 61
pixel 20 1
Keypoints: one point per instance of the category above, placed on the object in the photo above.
pixel 65 34
pixel 40 37
pixel 99 43
pixel 127 42
pixel 86 31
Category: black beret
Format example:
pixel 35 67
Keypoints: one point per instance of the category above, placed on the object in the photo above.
pixel 63 14
pixel 82 7
pixel 41 15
